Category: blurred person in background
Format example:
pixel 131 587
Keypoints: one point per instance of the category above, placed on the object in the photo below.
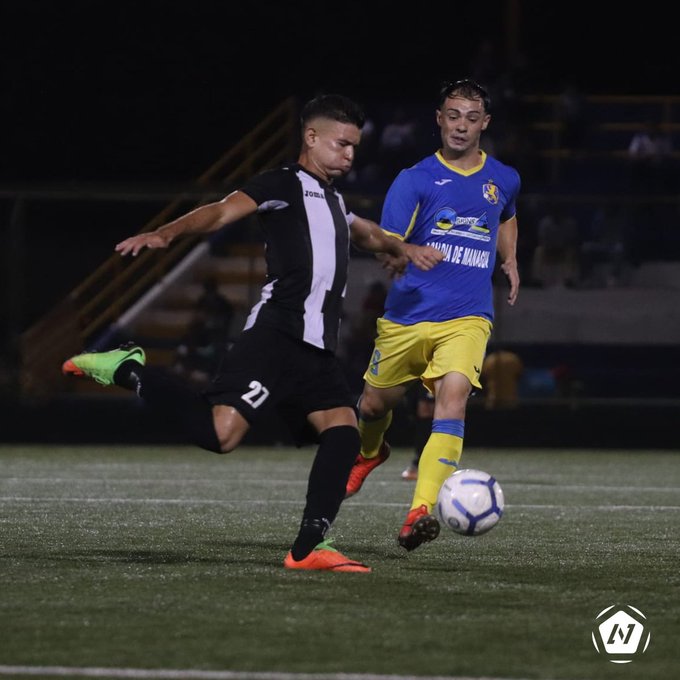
pixel 650 154
pixel 501 375
pixel 422 427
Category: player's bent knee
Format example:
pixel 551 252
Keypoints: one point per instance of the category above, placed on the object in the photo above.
pixel 371 408
pixel 229 442
pixel 229 427
pixel 210 438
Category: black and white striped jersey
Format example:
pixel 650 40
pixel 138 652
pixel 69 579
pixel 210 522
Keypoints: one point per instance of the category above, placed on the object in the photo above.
pixel 306 230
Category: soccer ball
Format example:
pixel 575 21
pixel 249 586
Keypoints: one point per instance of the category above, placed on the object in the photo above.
pixel 470 502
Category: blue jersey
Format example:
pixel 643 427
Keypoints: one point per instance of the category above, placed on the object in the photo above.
pixel 458 212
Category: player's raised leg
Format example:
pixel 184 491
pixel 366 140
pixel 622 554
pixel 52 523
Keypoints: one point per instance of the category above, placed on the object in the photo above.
pixel 185 407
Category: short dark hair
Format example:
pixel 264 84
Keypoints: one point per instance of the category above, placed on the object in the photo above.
pixel 334 107
pixel 467 88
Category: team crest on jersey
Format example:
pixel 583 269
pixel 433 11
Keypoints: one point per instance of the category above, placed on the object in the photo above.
pixel 490 192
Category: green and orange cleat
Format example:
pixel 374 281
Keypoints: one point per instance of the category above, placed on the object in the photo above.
pixel 420 526
pixel 325 558
pixel 102 366
pixel 363 466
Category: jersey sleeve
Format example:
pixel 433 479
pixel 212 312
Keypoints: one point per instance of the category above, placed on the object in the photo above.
pixel 510 207
pixel 400 206
pixel 264 188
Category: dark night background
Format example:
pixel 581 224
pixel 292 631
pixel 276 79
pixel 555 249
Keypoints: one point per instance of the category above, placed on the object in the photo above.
pixel 152 90
pixel 150 93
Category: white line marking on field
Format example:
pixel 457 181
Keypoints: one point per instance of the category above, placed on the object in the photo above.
pixel 166 673
pixel 270 501
pixel 238 481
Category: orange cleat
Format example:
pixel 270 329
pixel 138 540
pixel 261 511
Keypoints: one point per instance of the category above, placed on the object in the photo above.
pixel 363 466
pixel 325 558
pixel 420 526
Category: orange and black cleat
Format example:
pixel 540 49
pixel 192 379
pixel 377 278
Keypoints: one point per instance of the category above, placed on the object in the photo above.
pixel 420 526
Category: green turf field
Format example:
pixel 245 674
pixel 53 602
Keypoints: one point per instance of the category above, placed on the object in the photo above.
pixel 142 560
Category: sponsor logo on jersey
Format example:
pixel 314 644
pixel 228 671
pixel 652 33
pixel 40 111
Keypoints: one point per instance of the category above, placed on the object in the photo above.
pixel 447 221
pixel 463 255
pixel 445 218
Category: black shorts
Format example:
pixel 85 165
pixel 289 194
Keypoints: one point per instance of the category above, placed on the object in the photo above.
pixel 266 371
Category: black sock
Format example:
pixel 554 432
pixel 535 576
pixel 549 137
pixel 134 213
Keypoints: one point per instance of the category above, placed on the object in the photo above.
pixel 172 397
pixel 128 374
pixel 338 448
pixel 311 533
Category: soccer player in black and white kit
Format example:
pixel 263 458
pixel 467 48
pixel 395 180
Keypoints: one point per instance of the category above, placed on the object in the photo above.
pixel 284 359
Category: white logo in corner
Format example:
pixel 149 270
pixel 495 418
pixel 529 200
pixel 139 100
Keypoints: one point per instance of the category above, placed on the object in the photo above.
pixel 621 633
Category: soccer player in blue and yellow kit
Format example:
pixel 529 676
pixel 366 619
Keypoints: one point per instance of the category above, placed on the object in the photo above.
pixel 437 323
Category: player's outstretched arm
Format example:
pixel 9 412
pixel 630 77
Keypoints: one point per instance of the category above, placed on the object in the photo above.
pixel 396 254
pixel 203 220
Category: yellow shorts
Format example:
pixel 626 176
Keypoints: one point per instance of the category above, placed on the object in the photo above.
pixel 428 351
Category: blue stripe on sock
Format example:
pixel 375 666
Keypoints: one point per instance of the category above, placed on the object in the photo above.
pixel 452 426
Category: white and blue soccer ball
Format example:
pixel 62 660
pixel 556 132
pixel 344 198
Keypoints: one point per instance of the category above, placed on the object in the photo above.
pixel 470 502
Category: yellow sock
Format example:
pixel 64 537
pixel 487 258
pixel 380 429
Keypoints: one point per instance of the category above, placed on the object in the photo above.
pixel 432 471
pixel 372 433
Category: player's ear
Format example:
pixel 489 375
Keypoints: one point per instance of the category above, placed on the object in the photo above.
pixel 310 136
pixel 486 120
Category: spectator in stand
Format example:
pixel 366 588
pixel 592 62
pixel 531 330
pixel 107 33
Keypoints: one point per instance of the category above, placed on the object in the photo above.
pixel 398 143
pixel 555 261
pixel 208 334
pixel 572 117
pixel 501 374
pixel 650 152
pixel 604 251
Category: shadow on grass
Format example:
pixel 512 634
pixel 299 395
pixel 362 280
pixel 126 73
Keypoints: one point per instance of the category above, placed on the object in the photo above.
pixel 217 552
